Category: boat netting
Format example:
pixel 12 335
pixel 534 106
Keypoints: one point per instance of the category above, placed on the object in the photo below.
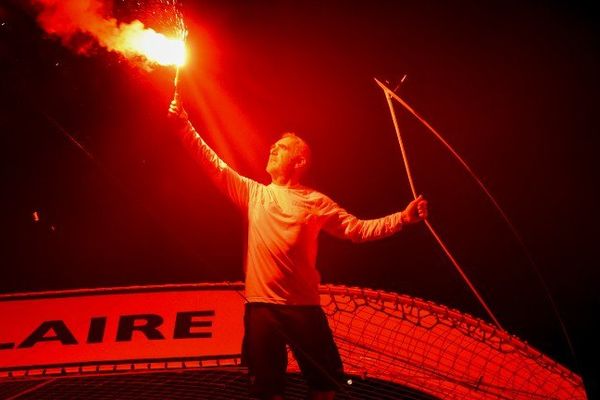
pixel 440 351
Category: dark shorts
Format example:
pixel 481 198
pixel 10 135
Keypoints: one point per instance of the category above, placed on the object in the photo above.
pixel 269 328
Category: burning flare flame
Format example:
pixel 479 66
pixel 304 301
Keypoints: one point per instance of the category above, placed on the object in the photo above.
pixel 153 46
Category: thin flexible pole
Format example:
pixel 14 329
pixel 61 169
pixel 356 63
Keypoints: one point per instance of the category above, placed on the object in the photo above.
pixel 513 229
pixel 459 158
pixel 404 156
pixel 433 232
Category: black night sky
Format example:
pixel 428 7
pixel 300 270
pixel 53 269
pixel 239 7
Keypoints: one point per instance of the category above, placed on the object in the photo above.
pixel 513 86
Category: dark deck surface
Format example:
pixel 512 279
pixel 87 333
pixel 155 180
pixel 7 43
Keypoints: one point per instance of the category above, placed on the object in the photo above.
pixel 180 384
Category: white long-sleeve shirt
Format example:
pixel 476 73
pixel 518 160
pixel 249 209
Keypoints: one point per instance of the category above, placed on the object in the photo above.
pixel 283 228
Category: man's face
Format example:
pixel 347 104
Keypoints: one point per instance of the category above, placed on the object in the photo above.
pixel 282 157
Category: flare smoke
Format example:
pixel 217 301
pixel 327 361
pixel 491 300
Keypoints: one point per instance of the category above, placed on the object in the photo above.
pixel 70 19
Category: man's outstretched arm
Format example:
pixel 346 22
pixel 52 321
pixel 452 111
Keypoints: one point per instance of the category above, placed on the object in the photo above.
pixel 342 224
pixel 235 186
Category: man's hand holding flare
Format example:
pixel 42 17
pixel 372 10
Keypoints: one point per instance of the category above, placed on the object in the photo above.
pixel 176 110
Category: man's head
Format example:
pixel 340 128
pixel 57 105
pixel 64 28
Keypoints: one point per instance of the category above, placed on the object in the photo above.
pixel 289 159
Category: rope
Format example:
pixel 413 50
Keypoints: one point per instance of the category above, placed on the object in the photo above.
pixel 433 232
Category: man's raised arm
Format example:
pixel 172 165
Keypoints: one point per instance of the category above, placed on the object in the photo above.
pixel 235 186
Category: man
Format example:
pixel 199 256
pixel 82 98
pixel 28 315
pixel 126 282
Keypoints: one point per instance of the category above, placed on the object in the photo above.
pixel 284 222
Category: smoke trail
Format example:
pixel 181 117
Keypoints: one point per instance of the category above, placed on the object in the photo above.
pixel 79 24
